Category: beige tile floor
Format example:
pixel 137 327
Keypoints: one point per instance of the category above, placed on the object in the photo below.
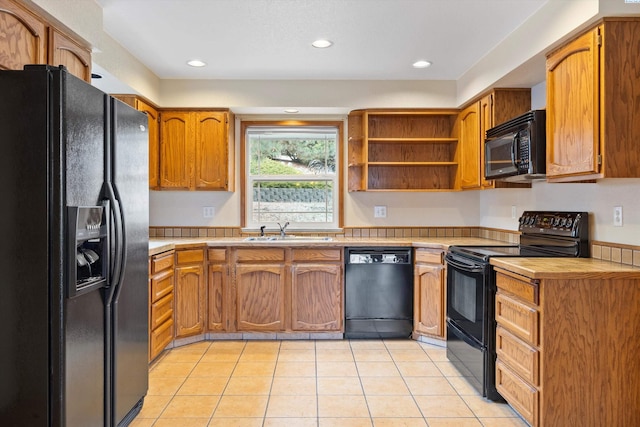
pixel 357 383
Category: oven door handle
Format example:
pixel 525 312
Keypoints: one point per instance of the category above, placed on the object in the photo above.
pixel 471 268
pixel 458 332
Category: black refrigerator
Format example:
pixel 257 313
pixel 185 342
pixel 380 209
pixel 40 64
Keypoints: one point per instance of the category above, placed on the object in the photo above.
pixel 74 251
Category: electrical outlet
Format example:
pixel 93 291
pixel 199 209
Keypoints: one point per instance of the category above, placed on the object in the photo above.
pixel 513 211
pixel 617 216
pixel 208 212
pixel 379 211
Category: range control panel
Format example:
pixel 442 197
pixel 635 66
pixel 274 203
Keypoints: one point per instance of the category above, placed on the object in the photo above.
pixel 570 224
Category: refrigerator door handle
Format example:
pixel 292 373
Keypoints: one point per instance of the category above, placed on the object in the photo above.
pixel 118 233
pixel 122 244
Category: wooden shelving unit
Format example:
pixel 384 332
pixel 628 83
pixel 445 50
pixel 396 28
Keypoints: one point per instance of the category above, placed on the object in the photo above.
pixel 402 150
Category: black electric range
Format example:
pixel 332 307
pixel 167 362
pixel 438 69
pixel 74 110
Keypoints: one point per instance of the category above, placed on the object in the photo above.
pixel 471 288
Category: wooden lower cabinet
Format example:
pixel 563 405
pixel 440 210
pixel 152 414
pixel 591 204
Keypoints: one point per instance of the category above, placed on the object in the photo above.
pixel 217 290
pixel 568 346
pixel 260 297
pixel 190 293
pixel 316 297
pixel 292 289
pixel 270 289
pixel 161 300
pixel 429 293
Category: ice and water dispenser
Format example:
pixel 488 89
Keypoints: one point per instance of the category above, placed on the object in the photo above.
pixel 88 249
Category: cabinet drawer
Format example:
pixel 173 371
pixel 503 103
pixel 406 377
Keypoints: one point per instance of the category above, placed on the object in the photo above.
pixel 522 396
pixel 160 338
pixel 217 255
pixel 520 357
pixel 266 254
pixel 429 256
pixel 517 317
pixel 189 256
pixel 161 285
pixel 161 262
pixel 320 254
pixel 521 287
pixel 161 311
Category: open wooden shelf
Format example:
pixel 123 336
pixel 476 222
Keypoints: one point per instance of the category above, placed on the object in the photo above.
pixel 402 150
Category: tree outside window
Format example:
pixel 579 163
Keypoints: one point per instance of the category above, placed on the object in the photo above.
pixel 292 176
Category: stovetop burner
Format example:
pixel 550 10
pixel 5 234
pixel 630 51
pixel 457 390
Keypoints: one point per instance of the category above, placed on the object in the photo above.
pixel 543 234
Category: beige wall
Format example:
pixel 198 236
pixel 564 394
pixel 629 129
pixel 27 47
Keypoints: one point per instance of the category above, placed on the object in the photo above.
pixel 517 61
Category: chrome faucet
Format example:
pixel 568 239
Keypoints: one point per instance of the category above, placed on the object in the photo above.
pixel 283 229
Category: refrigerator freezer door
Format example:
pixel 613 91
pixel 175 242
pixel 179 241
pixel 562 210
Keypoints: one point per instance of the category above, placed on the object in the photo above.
pixel 25 250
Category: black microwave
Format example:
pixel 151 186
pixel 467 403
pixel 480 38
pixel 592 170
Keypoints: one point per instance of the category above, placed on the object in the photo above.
pixel 515 151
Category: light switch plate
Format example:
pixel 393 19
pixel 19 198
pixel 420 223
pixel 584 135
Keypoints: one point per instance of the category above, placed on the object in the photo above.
pixel 379 211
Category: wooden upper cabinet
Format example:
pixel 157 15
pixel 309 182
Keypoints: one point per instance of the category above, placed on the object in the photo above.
pixel 497 107
pixel 486 123
pixel 592 109
pixel 154 141
pixel 211 166
pixel 23 37
pixel 573 121
pixel 64 51
pixel 195 150
pixel 469 151
pixel 175 152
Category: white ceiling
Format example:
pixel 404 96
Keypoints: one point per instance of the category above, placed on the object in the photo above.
pixel 271 39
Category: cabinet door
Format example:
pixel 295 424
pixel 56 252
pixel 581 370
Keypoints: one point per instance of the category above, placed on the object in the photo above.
pixel 469 140
pixel 23 37
pixel 486 123
pixel 154 142
pixel 64 51
pixel 429 299
pixel 190 299
pixel 316 297
pixel 175 136
pixel 260 297
pixel 573 123
pixel 211 153
pixel 217 298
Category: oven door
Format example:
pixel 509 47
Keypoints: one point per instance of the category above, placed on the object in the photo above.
pixel 467 287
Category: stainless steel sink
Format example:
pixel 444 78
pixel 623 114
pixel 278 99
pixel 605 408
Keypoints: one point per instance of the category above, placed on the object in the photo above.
pixel 290 238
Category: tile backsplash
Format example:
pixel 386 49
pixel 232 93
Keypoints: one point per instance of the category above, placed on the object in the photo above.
pixel 624 254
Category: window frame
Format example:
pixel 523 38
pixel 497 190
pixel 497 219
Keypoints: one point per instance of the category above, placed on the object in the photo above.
pixel 339 191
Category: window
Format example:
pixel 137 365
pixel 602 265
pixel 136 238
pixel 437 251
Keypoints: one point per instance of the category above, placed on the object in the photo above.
pixel 292 175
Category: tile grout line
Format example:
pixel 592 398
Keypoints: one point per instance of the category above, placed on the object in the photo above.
pixel 178 389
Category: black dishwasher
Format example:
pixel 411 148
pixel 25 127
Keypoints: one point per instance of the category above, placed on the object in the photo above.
pixel 378 292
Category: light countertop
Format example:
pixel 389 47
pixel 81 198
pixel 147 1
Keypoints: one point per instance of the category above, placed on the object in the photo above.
pixel 158 245
pixel 566 268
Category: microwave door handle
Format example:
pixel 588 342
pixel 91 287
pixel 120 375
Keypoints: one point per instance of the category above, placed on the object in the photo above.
pixel 514 144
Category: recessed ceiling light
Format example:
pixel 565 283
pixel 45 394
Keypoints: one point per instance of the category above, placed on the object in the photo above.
pixel 291 110
pixel 196 63
pixel 321 43
pixel 421 64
